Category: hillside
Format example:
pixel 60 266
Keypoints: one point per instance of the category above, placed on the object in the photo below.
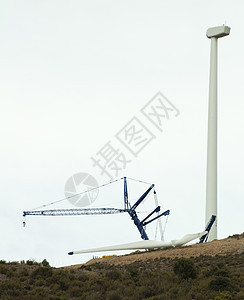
pixel 232 245
pixel 213 270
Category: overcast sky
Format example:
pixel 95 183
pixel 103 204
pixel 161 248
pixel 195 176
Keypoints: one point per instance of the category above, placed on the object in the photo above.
pixel 73 75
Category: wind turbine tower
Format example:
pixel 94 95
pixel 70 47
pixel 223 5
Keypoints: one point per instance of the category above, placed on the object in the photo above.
pixel 211 182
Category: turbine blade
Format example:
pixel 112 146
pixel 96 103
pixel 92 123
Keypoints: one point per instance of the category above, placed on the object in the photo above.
pixel 145 244
pixel 187 238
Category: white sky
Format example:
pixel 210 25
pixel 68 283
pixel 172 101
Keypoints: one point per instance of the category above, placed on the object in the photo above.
pixel 73 73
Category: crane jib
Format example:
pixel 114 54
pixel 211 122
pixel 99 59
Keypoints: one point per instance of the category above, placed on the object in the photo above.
pixel 72 212
pixel 131 210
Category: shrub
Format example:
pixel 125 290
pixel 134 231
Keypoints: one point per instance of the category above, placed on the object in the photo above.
pixel 218 270
pixel 3 270
pixel 63 285
pixel 113 295
pixel 222 296
pixel 84 267
pixel 75 291
pixel 10 289
pixel 114 274
pixel 220 284
pixel 40 282
pixel 222 272
pixel 42 272
pixel 45 263
pixel 10 273
pixel 24 272
pixel 83 277
pixel 185 268
pixel 14 263
pixel 39 293
pixel 58 276
pixel 30 262
pixel 133 271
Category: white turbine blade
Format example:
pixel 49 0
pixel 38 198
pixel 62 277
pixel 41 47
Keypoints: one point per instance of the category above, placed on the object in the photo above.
pixel 146 244
pixel 187 238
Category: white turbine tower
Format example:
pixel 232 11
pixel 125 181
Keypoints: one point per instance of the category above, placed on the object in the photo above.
pixel 211 182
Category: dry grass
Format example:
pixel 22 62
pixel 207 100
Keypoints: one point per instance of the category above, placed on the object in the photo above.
pixel 226 246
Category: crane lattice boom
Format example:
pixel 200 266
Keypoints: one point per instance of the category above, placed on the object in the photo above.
pixel 72 212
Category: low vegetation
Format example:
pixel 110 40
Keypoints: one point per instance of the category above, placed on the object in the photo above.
pixel 203 277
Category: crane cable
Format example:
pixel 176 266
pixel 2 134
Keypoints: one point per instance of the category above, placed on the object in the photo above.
pixel 92 189
pixel 66 198
pixel 165 225
pixel 138 180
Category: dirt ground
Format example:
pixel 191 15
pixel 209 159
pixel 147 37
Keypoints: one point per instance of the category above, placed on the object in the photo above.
pixel 218 247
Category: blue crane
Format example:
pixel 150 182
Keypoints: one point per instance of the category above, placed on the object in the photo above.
pixel 131 210
pixel 204 238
